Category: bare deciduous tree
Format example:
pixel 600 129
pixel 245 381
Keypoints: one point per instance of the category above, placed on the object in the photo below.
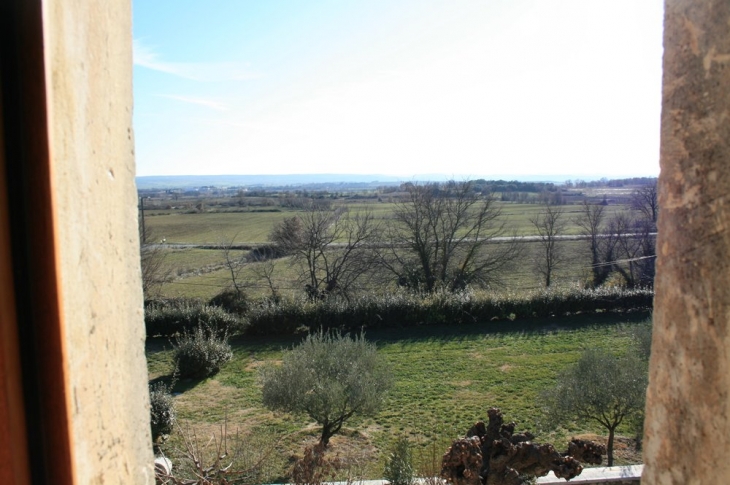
pixel 264 259
pixel 332 247
pixel 234 261
pixel 549 257
pixel 645 200
pixel 635 249
pixel 440 238
pixel 601 244
pixel 622 244
pixel 152 261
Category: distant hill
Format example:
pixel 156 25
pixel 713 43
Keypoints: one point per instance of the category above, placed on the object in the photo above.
pixel 188 181
pixel 185 181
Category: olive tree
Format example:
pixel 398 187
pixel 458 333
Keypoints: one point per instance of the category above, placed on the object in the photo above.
pixel 441 236
pixel 600 387
pixel 329 377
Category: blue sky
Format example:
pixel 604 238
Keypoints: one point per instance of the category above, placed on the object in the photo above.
pixel 402 87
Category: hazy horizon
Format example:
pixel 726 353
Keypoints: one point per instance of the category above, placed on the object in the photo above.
pixel 147 182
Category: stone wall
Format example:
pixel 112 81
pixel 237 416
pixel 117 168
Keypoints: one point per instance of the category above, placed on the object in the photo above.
pixel 687 431
pixel 88 62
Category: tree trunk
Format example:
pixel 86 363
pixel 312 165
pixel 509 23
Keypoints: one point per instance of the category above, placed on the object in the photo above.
pixel 327 433
pixel 609 447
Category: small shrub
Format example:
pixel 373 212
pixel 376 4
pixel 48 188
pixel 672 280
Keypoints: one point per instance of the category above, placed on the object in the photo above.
pixel 231 301
pixel 399 465
pixel 162 411
pixel 201 353
pixel 314 468
pixel 222 458
pixel 428 462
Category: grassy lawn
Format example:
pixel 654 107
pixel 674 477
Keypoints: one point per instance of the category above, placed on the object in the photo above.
pixel 446 377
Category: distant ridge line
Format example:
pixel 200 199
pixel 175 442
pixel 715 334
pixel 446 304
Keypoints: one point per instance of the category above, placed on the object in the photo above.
pixel 183 181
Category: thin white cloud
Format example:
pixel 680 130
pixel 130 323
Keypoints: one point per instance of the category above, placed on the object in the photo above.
pixel 208 103
pixel 146 57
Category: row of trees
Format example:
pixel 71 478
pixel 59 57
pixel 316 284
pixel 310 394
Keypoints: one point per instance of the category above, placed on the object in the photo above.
pixel 623 243
pixel 447 236
pixel 440 236
pixel 436 238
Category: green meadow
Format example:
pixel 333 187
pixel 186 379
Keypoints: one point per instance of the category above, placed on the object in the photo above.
pixel 195 272
pixel 253 225
pixel 445 380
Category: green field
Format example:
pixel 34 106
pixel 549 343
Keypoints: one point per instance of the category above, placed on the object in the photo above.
pixel 445 379
pixel 253 227
pixel 215 227
pixel 201 273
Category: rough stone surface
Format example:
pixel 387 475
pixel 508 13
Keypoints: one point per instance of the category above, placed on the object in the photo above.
pixel 88 63
pixel 687 430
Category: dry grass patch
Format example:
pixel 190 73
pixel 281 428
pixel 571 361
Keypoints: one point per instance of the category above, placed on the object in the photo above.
pixel 224 402
pixel 624 448
pixel 471 395
pixel 352 450
pixel 254 365
pixel 506 368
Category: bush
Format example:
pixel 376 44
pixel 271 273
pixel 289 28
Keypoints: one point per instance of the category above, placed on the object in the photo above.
pixel 201 353
pixel 162 411
pixel 399 465
pixel 167 319
pixel 221 458
pixel 231 301
pixel 266 252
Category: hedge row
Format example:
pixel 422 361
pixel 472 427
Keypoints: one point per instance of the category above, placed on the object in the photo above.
pixel 405 309
pixel 177 317
pixel 399 309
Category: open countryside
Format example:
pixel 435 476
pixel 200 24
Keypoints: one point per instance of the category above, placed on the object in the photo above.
pixel 192 226
pixel 455 349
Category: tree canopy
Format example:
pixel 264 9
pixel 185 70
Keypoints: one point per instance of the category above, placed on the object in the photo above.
pixel 600 387
pixel 330 377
